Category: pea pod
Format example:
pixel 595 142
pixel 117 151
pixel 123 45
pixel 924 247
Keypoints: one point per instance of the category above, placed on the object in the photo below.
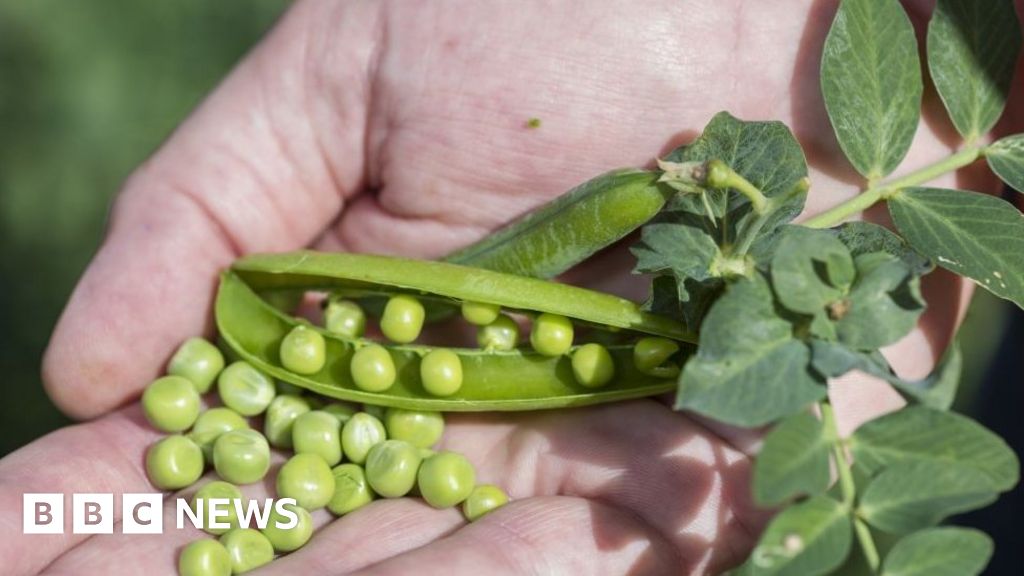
pixel 571 228
pixel 492 380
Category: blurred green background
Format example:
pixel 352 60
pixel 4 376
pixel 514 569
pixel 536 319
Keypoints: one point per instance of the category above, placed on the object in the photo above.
pixel 88 89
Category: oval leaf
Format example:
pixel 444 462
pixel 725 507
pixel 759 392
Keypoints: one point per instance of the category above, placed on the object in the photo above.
pixel 871 82
pixel 974 235
pixel 939 552
pixel 972 49
pixel 918 434
pixel 1006 158
pixel 912 495
pixel 793 461
pixel 809 538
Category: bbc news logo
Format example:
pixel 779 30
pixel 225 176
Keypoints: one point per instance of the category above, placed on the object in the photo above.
pixel 144 513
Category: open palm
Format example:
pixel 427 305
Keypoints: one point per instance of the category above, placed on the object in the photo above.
pixel 401 128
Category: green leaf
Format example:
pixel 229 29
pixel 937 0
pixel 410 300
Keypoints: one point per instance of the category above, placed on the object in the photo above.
pixel 974 235
pixel 945 551
pixel 864 238
pixel 883 305
pixel 810 269
pixel 793 461
pixel 937 390
pixel 871 82
pixel 972 50
pixel 1006 158
pixel 920 434
pixel 676 242
pixel 908 496
pixel 748 370
pixel 809 538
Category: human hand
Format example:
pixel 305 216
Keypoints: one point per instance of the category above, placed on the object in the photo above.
pixel 398 129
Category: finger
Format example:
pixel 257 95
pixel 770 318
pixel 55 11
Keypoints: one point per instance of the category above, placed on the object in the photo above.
pixel 262 165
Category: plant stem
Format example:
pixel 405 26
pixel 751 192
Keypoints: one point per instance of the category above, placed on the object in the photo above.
pixel 867 544
pixel 720 175
pixel 874 193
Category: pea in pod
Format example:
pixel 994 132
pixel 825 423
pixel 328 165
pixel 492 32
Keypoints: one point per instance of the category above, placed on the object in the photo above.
pixel 492 380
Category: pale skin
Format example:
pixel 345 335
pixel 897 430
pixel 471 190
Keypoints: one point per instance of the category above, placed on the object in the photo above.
pixel 400 128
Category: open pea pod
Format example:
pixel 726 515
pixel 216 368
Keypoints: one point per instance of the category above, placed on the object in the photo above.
pixel 492 380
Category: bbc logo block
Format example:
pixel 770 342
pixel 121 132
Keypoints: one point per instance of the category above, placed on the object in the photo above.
pixel 92 513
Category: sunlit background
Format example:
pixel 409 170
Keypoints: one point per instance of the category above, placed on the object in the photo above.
pixel 88 89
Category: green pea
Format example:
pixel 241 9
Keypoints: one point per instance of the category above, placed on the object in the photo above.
pixel 280 419
pixel 441 372
pixel 197 361
pixel 340 411
pixel 282 387
pixel 211 424
pixel 650 355
pixel 345 318
pixel 551 334
pixel 204 558
pixel 502 334
pixel 480 313
pixel 174 462
pixel 402 319
pixel 391 468
pixel 418 427
pixel 359 434
pixel 217 490
pixel 445 479
pixel 171 404
pixel 592 365
pixel 307 479
pixel 241 456
pixel 375 411
pixel 351 491
pixel 288 539
pixel 303 350
pixel 482 500
pixel 249 549
pixel 318 433
pixel 245 389
pixel 372 368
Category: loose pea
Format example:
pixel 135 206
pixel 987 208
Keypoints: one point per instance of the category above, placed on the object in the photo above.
pixel 318 433
pixel 372 368
pixel 288 539
pixel 198 361
pixel 351 491
pixel 441 372
pixel 345 318
pixel 280 419
pixel 340 411
pixel 204 558
pixel 480 313
pixel 483 499
pixel 174 462
pixel 592 365
pixel 307 479
pixel 249 549
pixel 359 434
pixel 245 389
pixel 502 334
pixel 551 334
pixel 303 350
pixel 217 490
pixel 650 355
pixel 241 456
pixel 391 468
pixel 418 427
pixel 171 404
pixel 446 479
pixel 211 424
pixel 402 319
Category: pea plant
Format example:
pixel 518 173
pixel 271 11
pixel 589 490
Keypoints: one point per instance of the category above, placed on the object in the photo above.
pixel 780 308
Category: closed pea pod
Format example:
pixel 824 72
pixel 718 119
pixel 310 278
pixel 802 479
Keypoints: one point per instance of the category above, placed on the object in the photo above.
pixel 215 504
pixel 441 372
pixel 484 499
pixel 204 558
pixel 351 490
pixel 372 368
pixel 420 428
pixel 318 433
pixel 502 334
pixel 171 404
pixel 307 479
pixel 302 350
pixel 248 549
pixel 551 334
pixel 651 356
pixel 592 365
pixel 446 479
pixel 241 456
pixel 359 434
pixel 292 538
pixel 245 389
pixel 198 361
pixel 344 318
pixel 280 418
pixel 391 468
pixel 403 318
pixel 174 462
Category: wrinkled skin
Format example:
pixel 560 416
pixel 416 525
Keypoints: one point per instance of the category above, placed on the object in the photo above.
pixel 399 128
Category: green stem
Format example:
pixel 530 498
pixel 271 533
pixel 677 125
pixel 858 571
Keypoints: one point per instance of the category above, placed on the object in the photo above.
pixel 874 193
pixel 720 175
pixel 867 545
